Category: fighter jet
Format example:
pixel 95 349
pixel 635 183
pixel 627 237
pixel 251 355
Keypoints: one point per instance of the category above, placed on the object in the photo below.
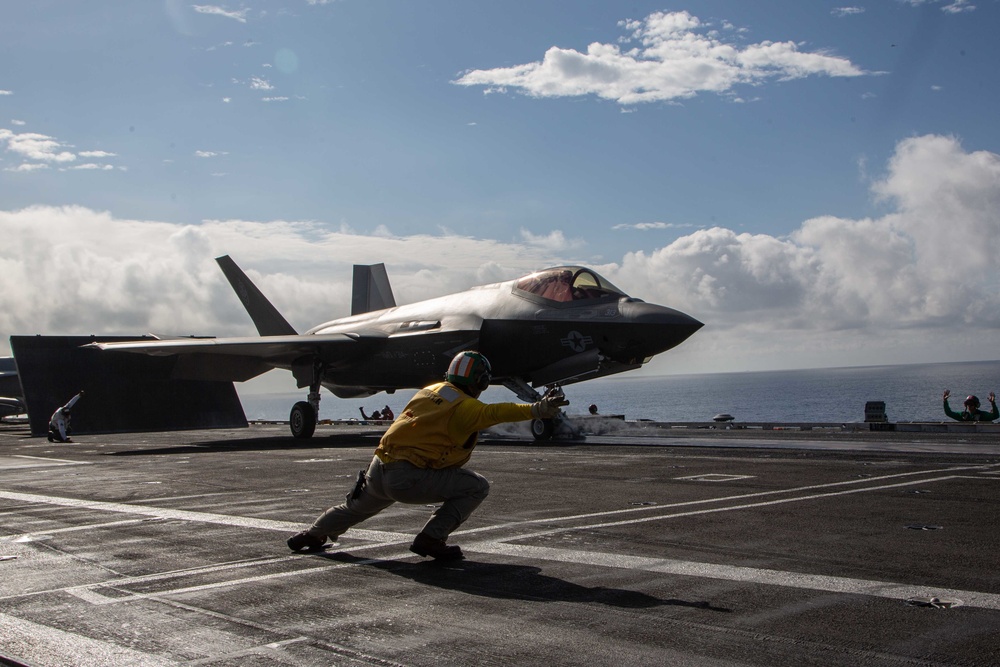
pixel 10 389
pixel 10 384
pixel 551 328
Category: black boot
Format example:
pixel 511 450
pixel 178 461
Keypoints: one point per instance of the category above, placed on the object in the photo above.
pixel 425 545
pixel 305 542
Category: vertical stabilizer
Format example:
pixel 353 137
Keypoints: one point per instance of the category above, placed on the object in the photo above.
pixel 265 316
pixel 371 289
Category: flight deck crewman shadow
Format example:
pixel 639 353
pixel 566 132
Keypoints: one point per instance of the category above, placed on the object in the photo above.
pixel 971 411
pixel 420 457
pixel 518 582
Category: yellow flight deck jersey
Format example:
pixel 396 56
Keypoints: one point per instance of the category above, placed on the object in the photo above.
pixel 440 425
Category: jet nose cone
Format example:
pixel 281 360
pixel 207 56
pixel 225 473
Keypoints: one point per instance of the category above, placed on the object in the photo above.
pixel 654 328
pixel 641 312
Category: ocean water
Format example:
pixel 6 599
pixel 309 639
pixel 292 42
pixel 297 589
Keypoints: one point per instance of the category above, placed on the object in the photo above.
pixel 910 392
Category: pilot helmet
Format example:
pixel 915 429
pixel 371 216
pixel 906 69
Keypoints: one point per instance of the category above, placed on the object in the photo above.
pixel 972 402
pixel 470 369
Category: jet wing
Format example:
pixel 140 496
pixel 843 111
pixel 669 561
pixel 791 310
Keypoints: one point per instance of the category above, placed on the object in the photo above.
pixel 258 347
pixel 241 358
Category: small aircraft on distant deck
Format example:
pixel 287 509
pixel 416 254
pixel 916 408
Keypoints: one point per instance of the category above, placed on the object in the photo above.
pixel 11 396
pixel 554 327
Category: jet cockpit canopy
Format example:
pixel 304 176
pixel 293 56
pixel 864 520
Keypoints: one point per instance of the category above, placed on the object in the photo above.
pixel 565 284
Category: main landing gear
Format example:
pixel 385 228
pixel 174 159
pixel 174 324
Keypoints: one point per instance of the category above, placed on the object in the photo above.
pixel 302 420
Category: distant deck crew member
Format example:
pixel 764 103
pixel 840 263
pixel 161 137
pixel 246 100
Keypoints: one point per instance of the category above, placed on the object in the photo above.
pixel 971 411
pixel 59 423
pixel 419 460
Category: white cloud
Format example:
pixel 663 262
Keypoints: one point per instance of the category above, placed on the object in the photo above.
pixel 6 92
pixel 647 226
pixel 958 7
pixel 91 166
pixel 238 15
pixel 274 99
pixel 258 83
pixel 28 166
pixel 674 58
pixel 927 271
pixel 36 146
pixel 17 122
pixel 210 154
pixel 847 11
pixel 920 282
pixel 554 240
pixel 45 150
pixel 953 7
pixel 110 275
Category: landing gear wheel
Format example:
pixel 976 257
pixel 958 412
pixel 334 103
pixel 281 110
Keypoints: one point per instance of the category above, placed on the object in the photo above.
pixel 302 420
pixel 542 429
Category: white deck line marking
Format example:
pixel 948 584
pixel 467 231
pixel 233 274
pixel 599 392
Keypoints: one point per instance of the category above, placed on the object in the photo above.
pixel 42 462
pixel 383 536
pixel 883 589
pixel 712 510
pixel 742 496
pixel 51 646
pixel 27 537
pixel 685 568
pixel 49 458
pixel 713 477
pixel 186 515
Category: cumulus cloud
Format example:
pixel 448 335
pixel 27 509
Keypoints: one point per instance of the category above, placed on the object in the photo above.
pixel 675 56
pixel 110 275
pixel 554 240
pixel 922 279
pixel 927 270
pixel 847 11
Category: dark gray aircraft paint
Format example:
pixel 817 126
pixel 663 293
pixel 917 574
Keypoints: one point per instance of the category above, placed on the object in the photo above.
pixel 557 326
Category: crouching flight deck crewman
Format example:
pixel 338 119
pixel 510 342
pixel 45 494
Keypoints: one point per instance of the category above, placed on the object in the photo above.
pixel 420 457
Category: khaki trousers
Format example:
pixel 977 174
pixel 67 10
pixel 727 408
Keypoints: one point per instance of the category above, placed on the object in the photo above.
pixel 459 490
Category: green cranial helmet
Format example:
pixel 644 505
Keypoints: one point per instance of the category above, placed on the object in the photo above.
pixel 470 369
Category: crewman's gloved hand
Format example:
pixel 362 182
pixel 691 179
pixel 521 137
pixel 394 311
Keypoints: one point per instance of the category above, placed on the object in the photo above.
pixel 548 407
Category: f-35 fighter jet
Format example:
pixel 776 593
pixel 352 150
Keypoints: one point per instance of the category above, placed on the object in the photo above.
pixel 554 327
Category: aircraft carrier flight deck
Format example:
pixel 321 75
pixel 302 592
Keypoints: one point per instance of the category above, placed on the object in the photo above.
pixel 661 547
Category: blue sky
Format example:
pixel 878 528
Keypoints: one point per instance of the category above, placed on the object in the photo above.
pixel 818 182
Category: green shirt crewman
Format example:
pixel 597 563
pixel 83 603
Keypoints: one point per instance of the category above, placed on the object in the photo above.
pixel 972 413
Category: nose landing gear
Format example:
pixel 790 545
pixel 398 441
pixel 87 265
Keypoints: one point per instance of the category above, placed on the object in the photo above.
pixel 541 429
